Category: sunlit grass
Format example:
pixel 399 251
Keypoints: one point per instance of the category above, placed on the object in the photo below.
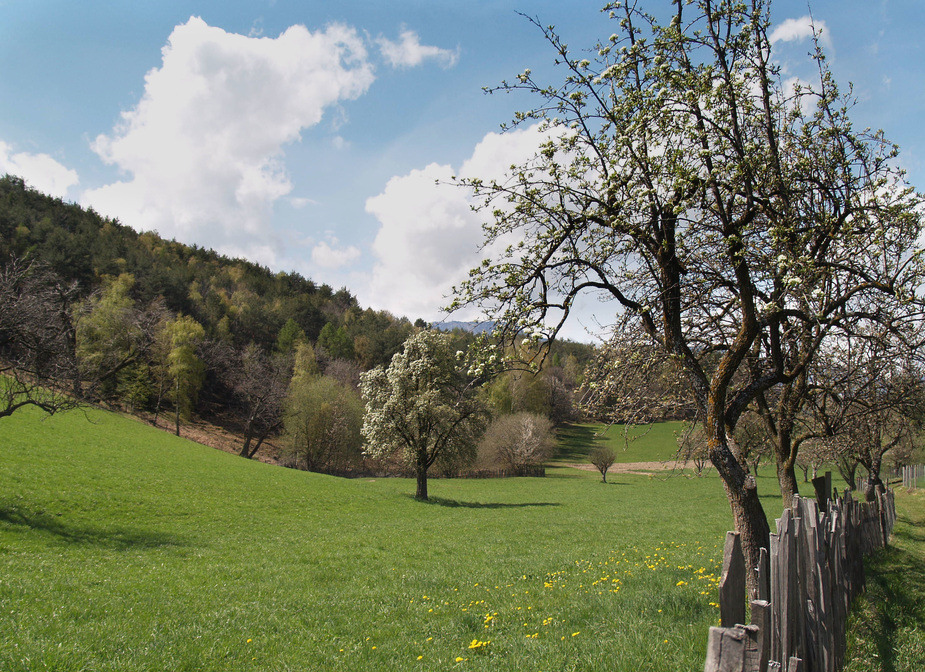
pixel 125 548
pixel 887 629
pixel 643 443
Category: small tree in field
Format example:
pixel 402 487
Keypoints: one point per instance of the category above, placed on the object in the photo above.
pixel 421 405
pixel 603 458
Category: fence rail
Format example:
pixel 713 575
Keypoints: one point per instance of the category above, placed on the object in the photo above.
pixel 806 581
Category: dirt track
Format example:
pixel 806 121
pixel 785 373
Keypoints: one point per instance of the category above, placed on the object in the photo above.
pixel 638 467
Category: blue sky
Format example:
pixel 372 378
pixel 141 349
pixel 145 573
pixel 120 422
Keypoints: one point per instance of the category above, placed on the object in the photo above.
pixel 308 135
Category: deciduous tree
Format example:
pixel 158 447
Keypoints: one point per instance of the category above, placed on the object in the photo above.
pixel 421 405
pixel 37 362
pixel 685 181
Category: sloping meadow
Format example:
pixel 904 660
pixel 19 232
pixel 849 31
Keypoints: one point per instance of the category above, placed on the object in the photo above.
pixel 124 548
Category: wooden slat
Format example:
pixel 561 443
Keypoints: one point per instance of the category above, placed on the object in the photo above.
pixel 732 583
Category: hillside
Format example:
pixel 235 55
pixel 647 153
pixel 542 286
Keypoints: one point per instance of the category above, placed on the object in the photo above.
pixel 124 548
pixel 231 298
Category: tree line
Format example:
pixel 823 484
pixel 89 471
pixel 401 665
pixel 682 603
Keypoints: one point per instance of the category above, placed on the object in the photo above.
pixel 93 311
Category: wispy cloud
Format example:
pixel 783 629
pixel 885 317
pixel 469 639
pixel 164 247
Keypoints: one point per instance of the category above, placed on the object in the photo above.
pixel 409 52
pixel 798 30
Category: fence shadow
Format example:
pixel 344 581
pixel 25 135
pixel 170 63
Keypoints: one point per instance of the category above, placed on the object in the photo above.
pixel 116 539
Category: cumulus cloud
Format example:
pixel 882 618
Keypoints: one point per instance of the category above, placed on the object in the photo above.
pixel 203 148
pixel 409 52
pixel 429 237
pixel 326 254
pixel 798 30
pixel 40 171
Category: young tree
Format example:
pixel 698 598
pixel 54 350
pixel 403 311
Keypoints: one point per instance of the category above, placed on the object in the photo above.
pixel 682 179
pixel 186 369
pixel 260 383
pixel 421 405
pixel 603 458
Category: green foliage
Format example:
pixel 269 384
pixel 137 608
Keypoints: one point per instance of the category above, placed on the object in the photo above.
pixel 186 369
pixel 107 334
pixel 290 336
pixel 336 342
pixel 322 420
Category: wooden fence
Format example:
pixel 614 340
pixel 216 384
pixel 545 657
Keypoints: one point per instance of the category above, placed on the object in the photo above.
pixel 913 475
pixel 807 580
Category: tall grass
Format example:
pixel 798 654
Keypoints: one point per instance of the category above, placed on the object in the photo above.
pixel 125 548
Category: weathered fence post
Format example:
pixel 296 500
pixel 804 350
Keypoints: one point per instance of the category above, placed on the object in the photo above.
pixel 732 583
pixel 733 650
pixel 761 619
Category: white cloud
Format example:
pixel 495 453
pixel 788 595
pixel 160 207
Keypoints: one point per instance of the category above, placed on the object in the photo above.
pixel 429 237
pixel 40 171
pixel 326 256
pixel 798 30
pixel 300 202
pixel 409 51
pixel 203 148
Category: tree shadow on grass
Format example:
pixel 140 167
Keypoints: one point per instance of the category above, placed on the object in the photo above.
pixel 442 501
pixel 111 538
pixel 575 443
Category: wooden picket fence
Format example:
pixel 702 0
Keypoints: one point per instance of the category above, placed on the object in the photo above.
pixel 913 475
pixel 807 580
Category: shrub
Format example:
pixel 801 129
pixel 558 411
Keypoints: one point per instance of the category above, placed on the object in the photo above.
pixel 517 440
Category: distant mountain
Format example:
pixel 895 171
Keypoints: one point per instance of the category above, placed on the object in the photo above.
pixel 470 327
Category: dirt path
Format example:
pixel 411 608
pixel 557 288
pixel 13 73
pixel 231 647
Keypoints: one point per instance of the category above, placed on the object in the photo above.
pixel 637 467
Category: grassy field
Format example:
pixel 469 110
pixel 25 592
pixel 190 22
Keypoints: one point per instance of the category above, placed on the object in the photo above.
pixel 887 628
pixel 125 548
pixel 649 443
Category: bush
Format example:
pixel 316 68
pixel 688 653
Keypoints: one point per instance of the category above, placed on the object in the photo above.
pixel 516 440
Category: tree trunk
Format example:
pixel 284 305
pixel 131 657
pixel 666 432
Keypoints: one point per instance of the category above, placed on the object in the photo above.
pixel 787 477
pixel 177 413
pixel 750 520
pixel 422 484
pixel 248 437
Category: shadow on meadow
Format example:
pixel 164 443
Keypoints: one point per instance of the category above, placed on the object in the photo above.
pixel 442 501
pixel 575 443
pixel 116 539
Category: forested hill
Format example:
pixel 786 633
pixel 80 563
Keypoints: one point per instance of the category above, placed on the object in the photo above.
pixel 234 300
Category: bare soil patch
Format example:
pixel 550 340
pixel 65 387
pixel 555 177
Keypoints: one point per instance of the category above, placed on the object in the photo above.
pixel 638 467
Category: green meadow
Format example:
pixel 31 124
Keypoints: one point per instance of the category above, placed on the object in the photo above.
pixel 126 548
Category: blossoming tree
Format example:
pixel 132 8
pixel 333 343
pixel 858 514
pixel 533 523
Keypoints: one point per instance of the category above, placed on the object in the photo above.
pixel 422 406
pixel 740 221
